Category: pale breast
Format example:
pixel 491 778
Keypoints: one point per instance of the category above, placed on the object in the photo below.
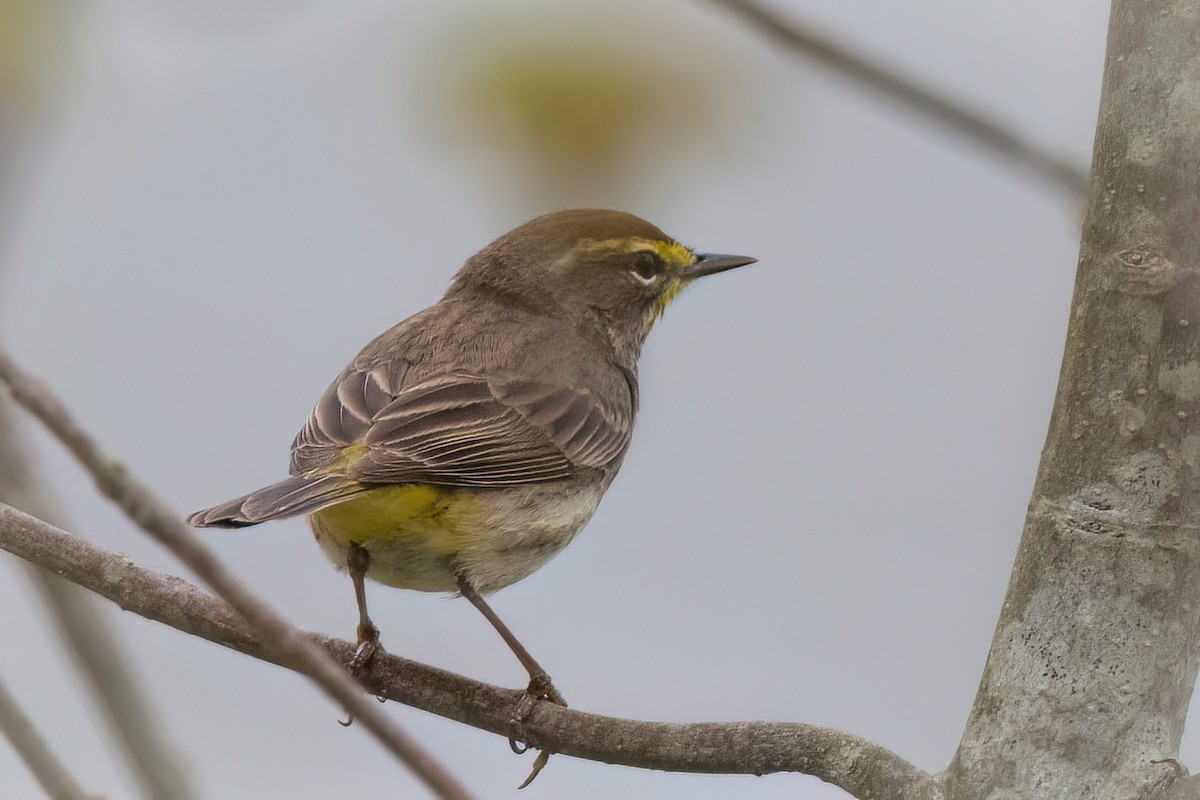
pixel 518 530
pixel 493 537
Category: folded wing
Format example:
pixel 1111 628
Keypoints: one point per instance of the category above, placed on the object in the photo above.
pixel 458 430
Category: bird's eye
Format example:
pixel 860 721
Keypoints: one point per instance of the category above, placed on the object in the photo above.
pixel 646 266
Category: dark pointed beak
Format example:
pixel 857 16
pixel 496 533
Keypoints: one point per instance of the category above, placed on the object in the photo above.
pixel 712 263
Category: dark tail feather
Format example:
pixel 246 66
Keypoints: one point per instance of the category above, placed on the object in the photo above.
pixel 295 495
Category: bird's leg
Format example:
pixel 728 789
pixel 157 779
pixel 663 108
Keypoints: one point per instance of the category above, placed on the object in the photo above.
pixel 540 687
pixel 357 561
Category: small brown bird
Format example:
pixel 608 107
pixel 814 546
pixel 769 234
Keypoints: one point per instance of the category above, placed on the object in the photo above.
pixel 463 448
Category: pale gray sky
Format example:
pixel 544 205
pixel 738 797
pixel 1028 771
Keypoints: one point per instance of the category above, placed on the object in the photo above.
pixel 817 517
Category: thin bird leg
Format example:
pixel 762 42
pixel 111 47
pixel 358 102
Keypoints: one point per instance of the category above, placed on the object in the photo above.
pixel 539 687
pixel 357 561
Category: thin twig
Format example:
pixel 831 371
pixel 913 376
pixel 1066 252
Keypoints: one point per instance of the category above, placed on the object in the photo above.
pixel 92 643
pixel 161 522
pixel 862 768
pixel 948 113
pixel 154 764
pixel 34 751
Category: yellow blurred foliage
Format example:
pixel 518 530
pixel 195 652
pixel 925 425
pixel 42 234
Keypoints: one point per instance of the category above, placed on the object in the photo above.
pixel 584 96
pixel 25 28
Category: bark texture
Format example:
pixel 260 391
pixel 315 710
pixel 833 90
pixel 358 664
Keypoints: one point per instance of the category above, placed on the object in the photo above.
pixel 1096 652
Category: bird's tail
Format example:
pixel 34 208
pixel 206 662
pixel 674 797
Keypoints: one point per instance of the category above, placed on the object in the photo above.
pixel 288 498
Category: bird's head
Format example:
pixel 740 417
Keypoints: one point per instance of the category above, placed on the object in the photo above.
pixel 594 263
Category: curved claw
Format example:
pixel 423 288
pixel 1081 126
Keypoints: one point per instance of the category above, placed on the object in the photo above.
pixel 543 757
pixel 540 688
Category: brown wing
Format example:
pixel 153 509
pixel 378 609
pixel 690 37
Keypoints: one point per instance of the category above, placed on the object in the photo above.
pixel 460 430
pixel 343 414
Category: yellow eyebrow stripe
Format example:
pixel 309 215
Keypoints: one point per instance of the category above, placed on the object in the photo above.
pixel 671 252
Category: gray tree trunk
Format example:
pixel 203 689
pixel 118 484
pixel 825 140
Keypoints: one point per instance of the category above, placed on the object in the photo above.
pixel 1096 651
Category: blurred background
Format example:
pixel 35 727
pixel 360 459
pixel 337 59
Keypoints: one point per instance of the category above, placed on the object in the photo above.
pixel 818 515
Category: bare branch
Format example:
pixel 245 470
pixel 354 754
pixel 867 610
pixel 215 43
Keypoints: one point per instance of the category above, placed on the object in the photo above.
pixel 92 644
pixel 156 518
pixel 862 768
pixel 155 765
pixel 948 113
pixel 34 751
pixel 1095 654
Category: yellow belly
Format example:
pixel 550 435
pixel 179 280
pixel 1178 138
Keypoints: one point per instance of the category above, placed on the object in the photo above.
pixel 426 516
pixel 421 537
pixel 413 534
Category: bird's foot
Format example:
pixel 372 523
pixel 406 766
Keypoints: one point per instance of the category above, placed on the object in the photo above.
pixel 540 688
pixel 368 646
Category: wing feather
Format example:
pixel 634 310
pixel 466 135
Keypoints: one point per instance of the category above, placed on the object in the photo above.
pixel 459 429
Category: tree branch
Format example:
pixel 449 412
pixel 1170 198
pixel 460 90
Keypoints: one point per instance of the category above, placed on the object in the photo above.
pixel 858 766
pixel 1185 788
pixel 1095 654
pixel 149 754
pixel 157 519
pixel 34 751
pixel 92 644
pixel 951 115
